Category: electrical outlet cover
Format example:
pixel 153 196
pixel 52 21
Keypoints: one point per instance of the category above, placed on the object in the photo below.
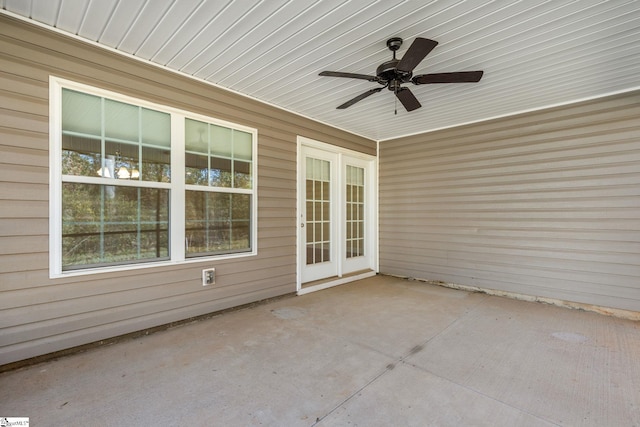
pixel 208 276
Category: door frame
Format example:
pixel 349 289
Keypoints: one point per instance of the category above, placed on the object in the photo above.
pixel 371 222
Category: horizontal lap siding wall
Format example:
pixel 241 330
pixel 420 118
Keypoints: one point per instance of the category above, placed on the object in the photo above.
pixel 40 315
pixel 544 204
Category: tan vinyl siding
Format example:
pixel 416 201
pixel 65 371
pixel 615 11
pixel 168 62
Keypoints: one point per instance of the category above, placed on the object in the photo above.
pixel 40 315
pixel 544 204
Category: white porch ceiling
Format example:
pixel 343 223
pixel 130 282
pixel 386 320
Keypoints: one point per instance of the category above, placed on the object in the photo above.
pixel 535 53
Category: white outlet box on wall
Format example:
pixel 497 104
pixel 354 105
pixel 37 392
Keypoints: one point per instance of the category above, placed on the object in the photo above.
pixel 208 276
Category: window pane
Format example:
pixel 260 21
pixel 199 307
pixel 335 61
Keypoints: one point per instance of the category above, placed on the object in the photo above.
pixel 220 172
pixel 81 113
pixel 310 254
pixel 242 174
pixel 121 161
pixel 196 136
pixel 106 225
pixel 242 145
pixel 221 141
pixel 325 191
pixel 80 156
pixel 196 169
pixel 156 128
pixel 217 223
pixel 309 233
pixel 121 121
pixel 309 174
pixel 195 221
pixel 115 152
pixel 228 153
pixel 156 164
pixel 128 161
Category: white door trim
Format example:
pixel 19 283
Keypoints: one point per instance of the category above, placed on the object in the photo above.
pixel 371 218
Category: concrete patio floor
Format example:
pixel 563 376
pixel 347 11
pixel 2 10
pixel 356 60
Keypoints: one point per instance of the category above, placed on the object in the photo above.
pixel 378 352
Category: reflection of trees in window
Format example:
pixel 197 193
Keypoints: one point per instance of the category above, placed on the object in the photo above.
pixel 100 136
pixel 103 225
pixel 80 155
pixel 217 157
pixel 217 222
pixel 116 184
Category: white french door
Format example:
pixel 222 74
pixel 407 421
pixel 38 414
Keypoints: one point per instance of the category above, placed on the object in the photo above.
pixel 318 219
pixel 336 212
pixel 357 217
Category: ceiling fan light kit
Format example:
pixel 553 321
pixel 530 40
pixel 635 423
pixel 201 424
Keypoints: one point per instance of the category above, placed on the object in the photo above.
pixel 394 73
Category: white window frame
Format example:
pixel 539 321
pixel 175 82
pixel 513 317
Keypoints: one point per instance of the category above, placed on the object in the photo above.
pixel 176 188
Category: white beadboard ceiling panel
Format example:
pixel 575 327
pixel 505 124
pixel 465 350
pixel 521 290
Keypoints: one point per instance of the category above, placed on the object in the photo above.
pixel 44 11
pixel 534 53
pixel 120 22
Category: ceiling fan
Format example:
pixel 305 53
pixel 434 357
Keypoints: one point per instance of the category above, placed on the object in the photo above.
pixel 392 74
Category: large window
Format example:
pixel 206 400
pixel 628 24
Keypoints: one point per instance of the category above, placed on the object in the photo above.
pixel 137 183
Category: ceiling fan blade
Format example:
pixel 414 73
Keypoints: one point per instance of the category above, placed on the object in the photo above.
pixel 459 77
pixel 407 99
pixel 359 98
pixel 349 75
pixel 416 53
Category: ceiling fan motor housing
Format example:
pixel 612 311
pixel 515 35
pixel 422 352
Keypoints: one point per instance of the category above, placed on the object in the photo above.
pixel 388 73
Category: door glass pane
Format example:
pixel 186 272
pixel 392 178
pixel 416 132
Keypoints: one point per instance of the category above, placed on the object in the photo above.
pixel 318 178
pixel 355 211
